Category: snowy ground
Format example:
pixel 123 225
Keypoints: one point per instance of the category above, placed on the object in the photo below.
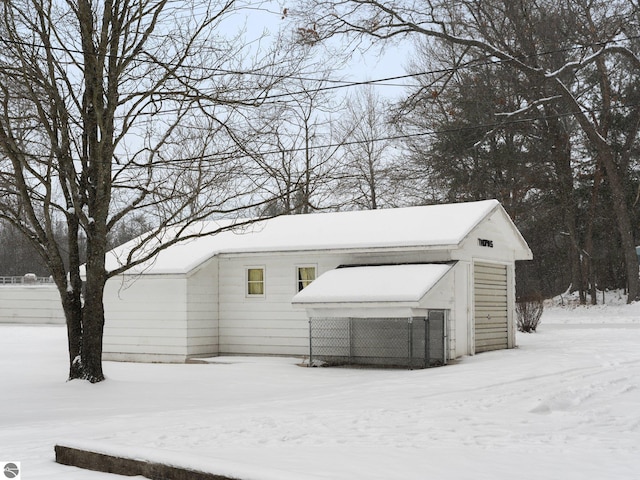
pixel 564 405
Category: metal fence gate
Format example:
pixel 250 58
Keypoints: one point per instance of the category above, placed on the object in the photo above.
pixel 416 342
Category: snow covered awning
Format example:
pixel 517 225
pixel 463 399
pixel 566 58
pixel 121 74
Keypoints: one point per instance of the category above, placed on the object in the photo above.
pixel 368 291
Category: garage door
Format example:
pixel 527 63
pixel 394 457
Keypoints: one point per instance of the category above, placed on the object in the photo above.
pixel 490 306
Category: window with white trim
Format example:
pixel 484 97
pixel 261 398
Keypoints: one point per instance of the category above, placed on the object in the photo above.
pixel 305 275
pixel 255 281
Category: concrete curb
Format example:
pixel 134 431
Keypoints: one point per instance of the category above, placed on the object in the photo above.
pixel 101 462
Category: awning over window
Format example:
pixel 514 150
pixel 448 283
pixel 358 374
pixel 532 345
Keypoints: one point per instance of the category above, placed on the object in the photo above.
pixel 392 285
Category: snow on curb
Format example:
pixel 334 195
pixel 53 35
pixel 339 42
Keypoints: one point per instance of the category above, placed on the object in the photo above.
pixel 156 464
pixel 101 462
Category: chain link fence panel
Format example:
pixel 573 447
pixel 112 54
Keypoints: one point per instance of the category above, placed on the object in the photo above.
pixel 417 342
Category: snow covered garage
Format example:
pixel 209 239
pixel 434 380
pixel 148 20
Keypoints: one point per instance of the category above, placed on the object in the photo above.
pixel 448 269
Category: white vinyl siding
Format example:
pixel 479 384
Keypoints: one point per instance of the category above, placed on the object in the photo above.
pixel 272 326
pixel 146 319
pixel 202 311
pixel 30 304
pixel 490 306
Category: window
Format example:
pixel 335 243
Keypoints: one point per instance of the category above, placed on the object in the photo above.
pixel 255 281
pixel 305 276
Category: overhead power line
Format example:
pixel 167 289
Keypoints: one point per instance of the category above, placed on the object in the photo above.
pixel 336 83
pixel 405 136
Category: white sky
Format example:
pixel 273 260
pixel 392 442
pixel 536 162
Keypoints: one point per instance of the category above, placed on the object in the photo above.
pixel 372 63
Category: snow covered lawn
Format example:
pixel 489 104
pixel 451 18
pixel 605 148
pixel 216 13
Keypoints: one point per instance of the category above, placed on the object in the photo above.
pixel 564 405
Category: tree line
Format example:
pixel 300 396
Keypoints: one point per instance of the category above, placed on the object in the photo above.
pixel 122 120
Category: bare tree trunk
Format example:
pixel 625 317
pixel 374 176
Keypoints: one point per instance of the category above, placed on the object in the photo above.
pixel 72 301
pixel 561 158
pixel 623 220
pixel 589 269
pixel 93 328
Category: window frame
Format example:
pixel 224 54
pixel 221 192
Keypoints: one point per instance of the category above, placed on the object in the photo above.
pixel 248 282
pixel 297 275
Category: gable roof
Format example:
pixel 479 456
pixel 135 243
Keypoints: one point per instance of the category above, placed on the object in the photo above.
pixel 425 226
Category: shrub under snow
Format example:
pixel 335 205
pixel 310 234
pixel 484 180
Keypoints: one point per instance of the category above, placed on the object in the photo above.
pixel 528 313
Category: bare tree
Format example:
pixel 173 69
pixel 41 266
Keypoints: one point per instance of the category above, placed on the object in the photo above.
pixel 600 39
pixel 365 177
pixel 297 146
pixel 95 102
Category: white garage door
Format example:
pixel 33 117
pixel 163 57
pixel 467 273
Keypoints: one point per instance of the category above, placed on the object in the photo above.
pixel 490 306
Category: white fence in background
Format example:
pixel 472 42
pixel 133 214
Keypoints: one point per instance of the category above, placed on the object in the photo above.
pixel 35 300
pixel 28 279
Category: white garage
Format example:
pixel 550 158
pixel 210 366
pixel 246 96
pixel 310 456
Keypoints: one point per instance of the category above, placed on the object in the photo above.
pixel 439 280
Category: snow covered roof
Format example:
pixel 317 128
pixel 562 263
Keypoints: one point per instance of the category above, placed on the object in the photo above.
pixel 384 283
pixel 425 226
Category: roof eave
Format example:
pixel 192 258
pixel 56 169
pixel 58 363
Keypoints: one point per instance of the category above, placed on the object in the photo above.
pixel 352 249
pixel 356 304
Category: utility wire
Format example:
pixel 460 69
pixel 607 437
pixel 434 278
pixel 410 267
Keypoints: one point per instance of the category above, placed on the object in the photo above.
pixel 389 138
pixel 339 84
pixel 174 162
pixel 405 136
